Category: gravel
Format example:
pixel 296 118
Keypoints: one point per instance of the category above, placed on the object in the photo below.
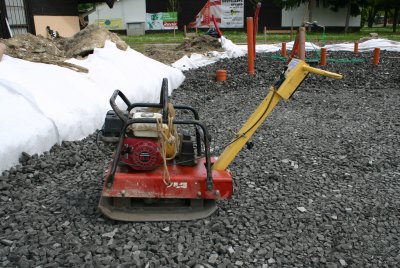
pixel 333 151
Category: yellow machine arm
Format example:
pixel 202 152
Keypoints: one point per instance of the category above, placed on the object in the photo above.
pixel 296 72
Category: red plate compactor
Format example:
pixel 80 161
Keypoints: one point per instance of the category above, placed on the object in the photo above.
pixel 162 169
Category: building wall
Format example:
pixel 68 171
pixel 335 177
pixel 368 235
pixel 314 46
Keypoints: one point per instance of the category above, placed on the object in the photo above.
pixel 324 16
pixel 54 8
pixel 127 10
pixel 66 26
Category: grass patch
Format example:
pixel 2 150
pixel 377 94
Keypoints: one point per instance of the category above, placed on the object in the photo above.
pixel 241 37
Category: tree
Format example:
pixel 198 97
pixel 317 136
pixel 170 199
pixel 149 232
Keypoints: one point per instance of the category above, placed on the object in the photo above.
pixel 395 18
pixel 377 5
pixel 352 8
pixel 173 6
pixel 85 7
pixel 396 5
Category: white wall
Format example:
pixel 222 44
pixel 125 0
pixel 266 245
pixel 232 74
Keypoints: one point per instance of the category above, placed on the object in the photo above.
pixel 127 10
pixel 324 16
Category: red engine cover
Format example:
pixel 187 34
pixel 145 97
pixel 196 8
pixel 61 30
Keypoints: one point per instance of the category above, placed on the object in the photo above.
pixel 141 153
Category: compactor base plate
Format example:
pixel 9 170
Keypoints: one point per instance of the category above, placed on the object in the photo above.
pixel 145 209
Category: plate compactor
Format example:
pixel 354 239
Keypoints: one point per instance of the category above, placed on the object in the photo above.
pixel 162 169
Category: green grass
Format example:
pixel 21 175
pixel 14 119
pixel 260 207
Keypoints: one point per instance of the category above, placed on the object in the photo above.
pixel 240 37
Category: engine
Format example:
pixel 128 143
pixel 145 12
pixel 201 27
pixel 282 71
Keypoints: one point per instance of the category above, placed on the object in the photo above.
pixel 146 145
pixel 141 153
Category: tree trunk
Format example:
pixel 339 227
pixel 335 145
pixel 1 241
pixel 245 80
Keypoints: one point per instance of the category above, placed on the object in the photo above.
pixel 395 18
pixel 371 17
pixel 385 18
pixel 311 5
pixel 346 27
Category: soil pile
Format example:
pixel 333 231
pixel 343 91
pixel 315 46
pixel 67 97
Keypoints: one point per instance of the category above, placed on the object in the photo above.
pixel 198 44
pixel 85 41
pixel 40 49
pixel 201 43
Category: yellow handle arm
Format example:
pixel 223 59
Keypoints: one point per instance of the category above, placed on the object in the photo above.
pixel 296 72
pixel 322 72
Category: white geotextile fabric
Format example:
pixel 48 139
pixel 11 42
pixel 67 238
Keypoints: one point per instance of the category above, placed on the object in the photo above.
pixel 232 50
pixel 42 104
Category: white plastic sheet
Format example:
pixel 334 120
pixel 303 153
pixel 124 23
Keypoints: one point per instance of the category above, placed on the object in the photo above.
pixel 232 50
pixel 42 104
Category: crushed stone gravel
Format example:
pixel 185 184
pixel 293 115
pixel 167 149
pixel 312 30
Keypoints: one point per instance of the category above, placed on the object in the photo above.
pixel 343 137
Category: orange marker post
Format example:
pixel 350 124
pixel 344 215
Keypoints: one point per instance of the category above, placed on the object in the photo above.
pixel 377 52
pixel 221 75
pixel 355 48
pixel 250 46
pixel 322 60
pixel 283 49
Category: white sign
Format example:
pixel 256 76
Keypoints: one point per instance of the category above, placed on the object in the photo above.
pixel 162 21
pixel 227 13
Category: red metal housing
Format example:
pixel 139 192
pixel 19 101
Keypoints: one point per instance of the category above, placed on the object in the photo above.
pixel 188 182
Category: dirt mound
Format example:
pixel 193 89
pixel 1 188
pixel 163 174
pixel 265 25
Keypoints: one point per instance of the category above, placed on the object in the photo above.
pixel 202 43
pixel 40 49
pixel 167 53
pixel 85 41
pixel 164 54
pixel 31 47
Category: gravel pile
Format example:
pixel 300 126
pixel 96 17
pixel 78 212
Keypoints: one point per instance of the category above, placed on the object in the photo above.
pixel 320 188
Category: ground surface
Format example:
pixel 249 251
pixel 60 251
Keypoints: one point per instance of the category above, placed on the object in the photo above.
pixel 332 150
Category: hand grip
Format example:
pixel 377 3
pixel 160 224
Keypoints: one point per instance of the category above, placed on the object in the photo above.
pixel 322 72
pixel 114 106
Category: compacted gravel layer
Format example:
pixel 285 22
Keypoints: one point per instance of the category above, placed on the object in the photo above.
pixel 320 187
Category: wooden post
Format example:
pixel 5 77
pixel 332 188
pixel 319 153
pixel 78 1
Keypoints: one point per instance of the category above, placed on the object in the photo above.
pixel 184 31
pixel 356 48
pixel 2 50
pixel 250 46
pixel 255 27
pixel 377 52
pixel 302 43
pixel 283 49
pixel 291 31
pixel 265 34
pixel 322 60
